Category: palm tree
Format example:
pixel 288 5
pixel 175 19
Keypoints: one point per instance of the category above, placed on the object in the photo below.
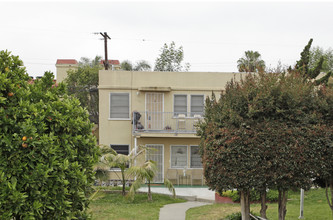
pixel 110 158
pixel 139 66
pixel 252 62
pixel 146 172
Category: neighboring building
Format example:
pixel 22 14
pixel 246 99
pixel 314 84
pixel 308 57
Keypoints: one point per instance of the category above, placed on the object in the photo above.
pixel 63 65
pixel 158 110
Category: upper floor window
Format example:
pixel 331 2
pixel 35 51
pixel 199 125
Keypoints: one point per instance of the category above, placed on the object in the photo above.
pixel 119 106
pixel 197 105
pixel 180 104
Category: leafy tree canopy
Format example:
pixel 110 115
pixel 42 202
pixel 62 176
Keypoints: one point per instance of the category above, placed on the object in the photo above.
pixel 311 70
pixel 83 83
pixel 139 66
pixel 46 147
pixel 251 62
pixel 171 59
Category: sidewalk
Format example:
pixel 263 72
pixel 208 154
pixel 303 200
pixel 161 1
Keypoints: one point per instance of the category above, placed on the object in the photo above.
pixel 202 194
pixel 177 211
pixel 196 196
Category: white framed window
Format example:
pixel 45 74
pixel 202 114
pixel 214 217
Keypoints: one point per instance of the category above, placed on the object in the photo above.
pixel 180 104
pixel 195 159
pixel 179 156
pixel 119 106
pixel 197 105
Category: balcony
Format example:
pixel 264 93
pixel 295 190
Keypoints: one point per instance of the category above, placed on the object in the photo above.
pixel 165 122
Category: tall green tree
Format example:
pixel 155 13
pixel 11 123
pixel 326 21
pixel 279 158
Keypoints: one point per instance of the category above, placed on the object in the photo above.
pixel 259 135
pixel 171 59
pixel 47 150
pixel 139 66
pixel 83 84
pixel 312 70
pixel 251 62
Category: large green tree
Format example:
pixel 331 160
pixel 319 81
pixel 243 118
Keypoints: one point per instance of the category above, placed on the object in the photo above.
pixel 83 83
pixel 47 150
pixel 312 70
pixel 251 62
pixel 171 59
pixel 259 135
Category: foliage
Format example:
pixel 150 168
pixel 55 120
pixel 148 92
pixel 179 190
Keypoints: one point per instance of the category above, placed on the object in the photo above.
pixel 83 83
pixel 272 195
pixel 312 70
pixel 237 216
pixel 146 172
pixel 114 206
pixel 111 159
pixel 270 126
pixel 171 59
pixel 314 208
pixel 315 55
pixel 46 147
pixel 251 62
pixel 139 66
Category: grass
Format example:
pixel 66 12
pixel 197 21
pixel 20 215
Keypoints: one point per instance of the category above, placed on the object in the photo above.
pixel 315 208
pixel 114 206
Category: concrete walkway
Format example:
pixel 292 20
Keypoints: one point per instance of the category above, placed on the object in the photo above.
pixel 196 196
pixel 202 194
pixel 177 211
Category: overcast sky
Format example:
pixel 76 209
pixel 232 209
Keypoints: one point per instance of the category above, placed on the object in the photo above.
pixel 214 35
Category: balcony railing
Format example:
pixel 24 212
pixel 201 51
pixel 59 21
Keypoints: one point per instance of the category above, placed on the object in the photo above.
pixel 165 122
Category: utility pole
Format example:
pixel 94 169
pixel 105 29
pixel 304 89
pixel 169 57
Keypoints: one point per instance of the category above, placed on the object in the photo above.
pixel 106 61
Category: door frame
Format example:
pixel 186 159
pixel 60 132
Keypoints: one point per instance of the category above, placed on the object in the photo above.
pixel 146 109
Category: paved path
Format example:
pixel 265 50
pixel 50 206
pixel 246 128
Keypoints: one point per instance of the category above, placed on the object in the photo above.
pixel 177 211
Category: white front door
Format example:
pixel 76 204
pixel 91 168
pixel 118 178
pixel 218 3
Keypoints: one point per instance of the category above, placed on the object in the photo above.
pixel 154 111
pixel 155 153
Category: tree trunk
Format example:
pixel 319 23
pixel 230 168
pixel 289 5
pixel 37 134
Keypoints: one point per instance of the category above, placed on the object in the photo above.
pixel 149 192
pixel 124 183
pixel 329 184
pixel 263 209
pixel 283 195
pixel 245 204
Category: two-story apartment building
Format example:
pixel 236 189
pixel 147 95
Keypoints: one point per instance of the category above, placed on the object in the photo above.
pixel 158 110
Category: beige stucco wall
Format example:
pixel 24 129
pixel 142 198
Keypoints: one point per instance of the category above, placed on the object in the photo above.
pixel 138 84
pixel 62 71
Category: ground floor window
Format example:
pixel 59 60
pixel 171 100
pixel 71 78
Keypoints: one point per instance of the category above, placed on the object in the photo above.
pixel 121 149
pixel 178 156
pixel 195 157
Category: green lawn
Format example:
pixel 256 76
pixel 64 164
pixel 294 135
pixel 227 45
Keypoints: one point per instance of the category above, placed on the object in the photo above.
pixel 114 206
pixel 315 208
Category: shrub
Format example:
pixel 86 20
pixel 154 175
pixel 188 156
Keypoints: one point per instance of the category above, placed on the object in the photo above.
pixel 272 195
pixel 237 216
pixel 47 149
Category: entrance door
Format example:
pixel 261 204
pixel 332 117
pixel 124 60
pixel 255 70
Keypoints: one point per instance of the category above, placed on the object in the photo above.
pixel 155 153
pixel 154 111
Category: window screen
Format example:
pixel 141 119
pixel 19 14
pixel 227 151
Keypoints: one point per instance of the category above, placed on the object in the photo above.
pixel 180 104
pixel 197 105
pixel 195 157
pixel 121 149
pixel 119 105
pixel 178 156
